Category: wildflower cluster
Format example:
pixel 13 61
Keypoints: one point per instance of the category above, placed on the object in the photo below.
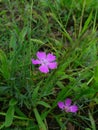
pixel 46 62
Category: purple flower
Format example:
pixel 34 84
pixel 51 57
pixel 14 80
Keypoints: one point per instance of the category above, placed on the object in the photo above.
pixel 46 61
pixel 67 106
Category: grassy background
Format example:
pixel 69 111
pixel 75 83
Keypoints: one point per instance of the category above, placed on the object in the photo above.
pixel 28 98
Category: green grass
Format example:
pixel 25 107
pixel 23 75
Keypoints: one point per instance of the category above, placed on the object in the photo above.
pixel 28 98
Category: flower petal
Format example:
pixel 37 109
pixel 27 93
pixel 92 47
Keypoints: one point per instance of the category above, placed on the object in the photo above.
pixel 73 108
pixel 35 62
pixel 52 65
pixel 61 105
pixel 68 102
pixel 44 69
pixel 41 55
pixel 50 57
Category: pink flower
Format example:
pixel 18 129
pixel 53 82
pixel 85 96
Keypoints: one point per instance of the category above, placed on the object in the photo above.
pixel 46 61
pixel 66 106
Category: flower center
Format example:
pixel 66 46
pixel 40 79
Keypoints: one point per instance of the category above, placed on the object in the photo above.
pixel 44 62
pixel 66 109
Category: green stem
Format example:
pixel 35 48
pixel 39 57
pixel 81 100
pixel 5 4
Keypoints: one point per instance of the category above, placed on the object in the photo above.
pixel 17 117
pixel 82 13
pixel 39 120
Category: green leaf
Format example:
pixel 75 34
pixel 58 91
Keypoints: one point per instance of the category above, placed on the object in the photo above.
pixel 10 113
pixel 35 95
pixel 96 100
pixel 60 84
pixel 2 126
pixel 12 43
pixel 44 104
pixel 39 120
pixel 12 102
pixel 64 31
pixel 23 34
pixel 9 116
pixel 37 41
pixel 87 129
pixel 19 112
pixel 4 65
pixel 86 24
pixel 96 75
pixel 92 121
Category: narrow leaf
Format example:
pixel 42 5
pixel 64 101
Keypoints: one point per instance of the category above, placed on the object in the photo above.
pixel 92 121
pixel 43 104
pixel 9 116
pixel 39 120
pixel 86 23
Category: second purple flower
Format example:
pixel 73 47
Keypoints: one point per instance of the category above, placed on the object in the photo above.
pixel 66 106
pixel 46 61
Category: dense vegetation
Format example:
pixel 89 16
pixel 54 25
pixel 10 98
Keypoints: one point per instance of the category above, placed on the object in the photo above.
pixel 66 29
